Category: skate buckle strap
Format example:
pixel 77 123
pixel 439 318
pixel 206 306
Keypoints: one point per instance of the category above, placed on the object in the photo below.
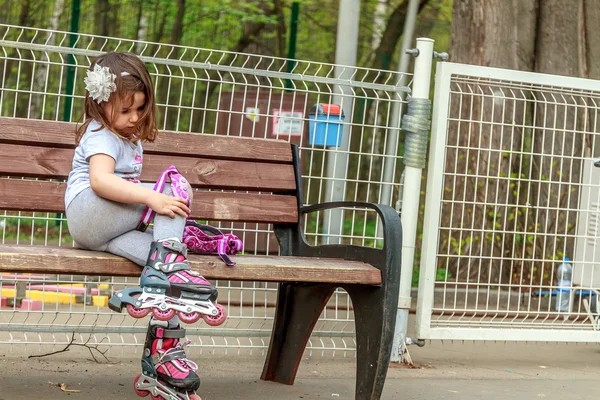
pixel 179 186
pixel 160 251
pixel 175 246
pixel 164 333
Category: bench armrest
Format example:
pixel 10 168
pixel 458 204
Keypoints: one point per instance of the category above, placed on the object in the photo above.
pixel 387 213
pixel 293 242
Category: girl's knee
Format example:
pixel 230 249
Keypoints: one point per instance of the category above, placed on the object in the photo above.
pixel 88 242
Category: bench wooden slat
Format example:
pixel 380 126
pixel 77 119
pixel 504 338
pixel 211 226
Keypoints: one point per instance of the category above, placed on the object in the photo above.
pixel 60 260
pixel 43 196
pixel 61 134
pixel 55 163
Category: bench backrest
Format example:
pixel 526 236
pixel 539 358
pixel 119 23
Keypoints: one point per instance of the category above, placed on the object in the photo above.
pixel 265 170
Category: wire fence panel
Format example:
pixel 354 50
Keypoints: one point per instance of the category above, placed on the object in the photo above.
pixel 207 92
pixel 511 191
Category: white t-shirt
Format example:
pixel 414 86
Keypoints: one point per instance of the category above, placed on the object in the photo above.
pixel 128 158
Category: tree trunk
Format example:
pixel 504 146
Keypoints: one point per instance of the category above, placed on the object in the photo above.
pixel 390 38
pixel 488 33
pixel 366 168
pixel 102 17
pixel 117 20
pixel 378 23
pixel 160 20
pixel 203 96
pixel 140 23
pixel 141 32
pixel 590 32
pixel 524 216
pixel 592 15
pixel 170 87
pixel 24 70
pixel 41 74
pixel 563 45
pixel 491 32
pixel 281 37
pixel 177 32
pixel 24 16
pixel 6 6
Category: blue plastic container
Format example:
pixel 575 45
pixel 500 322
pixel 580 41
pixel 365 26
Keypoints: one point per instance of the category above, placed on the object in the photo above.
pixel 325 125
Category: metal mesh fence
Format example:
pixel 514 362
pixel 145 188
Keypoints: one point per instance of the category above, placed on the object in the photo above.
pixel 207 92
pixel 513 191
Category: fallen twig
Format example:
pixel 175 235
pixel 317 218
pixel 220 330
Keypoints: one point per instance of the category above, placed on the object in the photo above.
pixel 64 387
pixel 91 349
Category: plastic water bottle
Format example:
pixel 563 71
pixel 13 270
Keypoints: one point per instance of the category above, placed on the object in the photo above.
pixel 563 297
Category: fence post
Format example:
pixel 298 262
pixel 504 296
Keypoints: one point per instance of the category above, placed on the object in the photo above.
pixel 416 124
pixel 75 8
pixel 291 54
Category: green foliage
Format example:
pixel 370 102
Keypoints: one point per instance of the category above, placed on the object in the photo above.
pixel 361 225
pixel 34 229
pixel 218 24
pixel 441 275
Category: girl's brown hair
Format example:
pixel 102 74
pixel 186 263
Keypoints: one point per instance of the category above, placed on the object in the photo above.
pixel 136 79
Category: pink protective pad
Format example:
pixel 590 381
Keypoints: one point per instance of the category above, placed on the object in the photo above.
pixel 179 186
pixel 206 239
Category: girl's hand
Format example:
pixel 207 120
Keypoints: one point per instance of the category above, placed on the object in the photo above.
pixel 168 205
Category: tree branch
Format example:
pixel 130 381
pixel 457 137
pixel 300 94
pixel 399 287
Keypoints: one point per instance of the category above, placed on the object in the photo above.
pixel 281 30
pixel 91 349
pixel 392 34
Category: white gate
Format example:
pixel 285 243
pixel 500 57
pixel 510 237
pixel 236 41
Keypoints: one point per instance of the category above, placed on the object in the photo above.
pixel 511 190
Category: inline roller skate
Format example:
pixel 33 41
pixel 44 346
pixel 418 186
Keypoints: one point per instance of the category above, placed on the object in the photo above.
pixel 166 372
pixel 169 287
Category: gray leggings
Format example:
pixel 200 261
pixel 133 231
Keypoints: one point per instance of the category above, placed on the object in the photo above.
pixel 96 223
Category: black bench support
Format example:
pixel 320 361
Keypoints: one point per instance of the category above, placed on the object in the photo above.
pixel 299 304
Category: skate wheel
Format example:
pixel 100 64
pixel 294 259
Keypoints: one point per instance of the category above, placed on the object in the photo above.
pixel 137 312
pixel 194 396
pixel 189 318
pixel 163 315
pixel 159 397
pixel 141 393
pixel 216 319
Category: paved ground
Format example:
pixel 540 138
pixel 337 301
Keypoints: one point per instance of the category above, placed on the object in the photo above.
pixel 449 371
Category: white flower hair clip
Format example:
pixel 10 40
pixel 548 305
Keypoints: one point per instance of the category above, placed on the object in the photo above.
pixel 100 83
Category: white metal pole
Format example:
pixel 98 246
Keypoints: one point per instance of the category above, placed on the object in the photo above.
pixel 410 203
pixel 391 144
pixel 337 161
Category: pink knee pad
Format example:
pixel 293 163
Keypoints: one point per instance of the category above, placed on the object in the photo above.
pixel 180 187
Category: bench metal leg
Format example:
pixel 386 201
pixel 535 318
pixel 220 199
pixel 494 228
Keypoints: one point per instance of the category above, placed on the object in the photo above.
pixel 374 316
pixel 299 306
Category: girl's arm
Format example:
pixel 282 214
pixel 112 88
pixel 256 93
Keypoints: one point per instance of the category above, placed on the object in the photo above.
pixel 106 184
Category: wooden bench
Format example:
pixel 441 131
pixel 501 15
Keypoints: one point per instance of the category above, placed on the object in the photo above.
pixel 268 173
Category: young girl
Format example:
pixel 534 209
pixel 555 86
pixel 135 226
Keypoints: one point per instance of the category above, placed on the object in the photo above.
pixel 104 202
